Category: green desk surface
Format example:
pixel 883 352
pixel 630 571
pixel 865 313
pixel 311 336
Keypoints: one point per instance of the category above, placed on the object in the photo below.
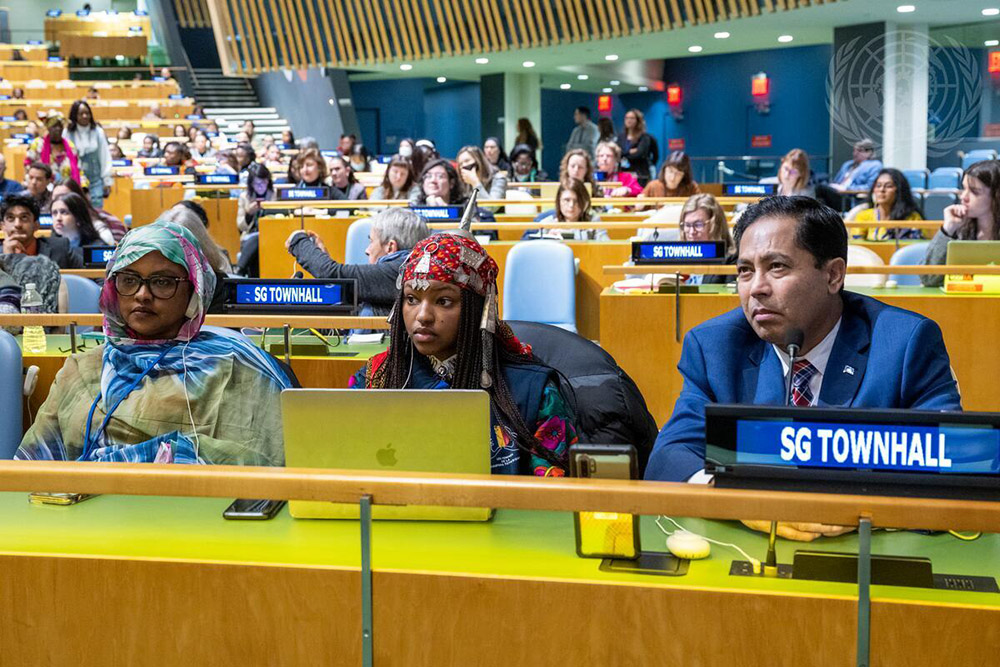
pixel 515 544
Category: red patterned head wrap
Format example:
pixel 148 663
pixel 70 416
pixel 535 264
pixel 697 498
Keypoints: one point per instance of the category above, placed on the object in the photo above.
pixel 453 259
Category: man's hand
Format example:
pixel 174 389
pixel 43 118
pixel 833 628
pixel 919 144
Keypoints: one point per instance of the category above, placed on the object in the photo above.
pixel 317 240
pixel 799 532
pixel 13 246
pixel 291 237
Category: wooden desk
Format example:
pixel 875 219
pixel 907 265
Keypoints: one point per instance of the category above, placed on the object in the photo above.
pixel 133 110
pixel 638 331
pixel 121 23
pixel 88 45
pixel 288 592
pixel 32 52
pixel 25 70
pixel 147 205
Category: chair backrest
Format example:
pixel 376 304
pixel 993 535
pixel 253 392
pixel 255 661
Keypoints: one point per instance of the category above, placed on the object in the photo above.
pixel 945 178
pixel 539 284
pixel 861 256
pixel 83 294
pixel 936 202
pixel 10 395
pixel 916 177
pixel 978 155
pixel 609 408
pixel 519 209
pixel 908 255
pixel 357 241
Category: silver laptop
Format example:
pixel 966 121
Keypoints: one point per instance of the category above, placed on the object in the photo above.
pixel 409 430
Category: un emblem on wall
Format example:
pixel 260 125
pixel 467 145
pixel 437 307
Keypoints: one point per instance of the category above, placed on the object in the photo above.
pixel 855 87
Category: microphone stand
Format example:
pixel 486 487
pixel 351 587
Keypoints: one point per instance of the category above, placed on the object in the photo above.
pixel 771 561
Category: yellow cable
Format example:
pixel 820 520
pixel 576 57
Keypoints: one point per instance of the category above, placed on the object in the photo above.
pixel 965 538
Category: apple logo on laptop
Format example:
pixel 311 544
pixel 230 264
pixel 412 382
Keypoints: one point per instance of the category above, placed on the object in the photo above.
pixel 386 456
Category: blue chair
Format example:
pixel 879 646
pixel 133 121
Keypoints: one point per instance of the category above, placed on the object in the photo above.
pixel 908 255
pixel 936 202
pixel 357 242
pixel 10 395
pixel 978 155
pixel 917 178
pixel 945 178
pixel 83 294
pixel 539 284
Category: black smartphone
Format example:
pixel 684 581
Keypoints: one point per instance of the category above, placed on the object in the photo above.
pixel 605 534
pixel 253 510
pixel 469 167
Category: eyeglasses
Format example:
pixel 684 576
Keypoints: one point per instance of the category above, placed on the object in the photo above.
pixel 695 226
pixel 161 287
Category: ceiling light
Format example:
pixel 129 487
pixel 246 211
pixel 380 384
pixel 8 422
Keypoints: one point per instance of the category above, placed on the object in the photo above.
pixel 906 9
pixel 722 35
pixel 582 77
pixel 482 61
pixel 611 57
pixel 564 86
pixel 528 63
pixel 784 39
pixel 615 82
pixel 643 89
pixel 406 67
pixel 991 11
pixel 694 49
pixel 442 79
pixel 606 90
pixel 992 42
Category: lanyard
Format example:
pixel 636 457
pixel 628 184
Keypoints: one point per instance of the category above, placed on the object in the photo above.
pixel 87 444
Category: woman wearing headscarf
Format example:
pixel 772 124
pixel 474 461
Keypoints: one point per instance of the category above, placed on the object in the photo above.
pixel 55 150
pixel 445 333
pixel 161 389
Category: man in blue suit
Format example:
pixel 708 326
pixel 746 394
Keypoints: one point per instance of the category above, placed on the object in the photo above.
pixel 790 275
pixel 858 173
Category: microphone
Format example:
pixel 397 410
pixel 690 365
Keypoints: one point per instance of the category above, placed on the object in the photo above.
pixel 298 275
pixel 793 343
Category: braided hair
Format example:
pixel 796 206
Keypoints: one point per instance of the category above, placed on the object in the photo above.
pixel 395 371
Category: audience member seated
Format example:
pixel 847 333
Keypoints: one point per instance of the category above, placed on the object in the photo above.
pixel 702 219
pixel 150 147
pixel 572 205
pixel 674 180
pixel 245 156
pixel 854 175
pixel 273 159
pixel 439 185
pixel 637 147
pixel 857 351
pixel 578 164
pixel 343 184
pixel 19 216
pixel 192 216
pixel 398 182
pixel 115 151
pixel 891 200
pixel 260 188
pixel 161 389
pixel 606 128
pixel 524 166
pixel 176 154
pixel 975 218
pixel 478 175
pixel 609 156
pixel 310 169
pixel 202 147
pixel 41 271
pixel 495 154
pixel 288 140
pixel 54 150
pixel 393 234
pixel 793 175
pixel 360 158
pixel 101 218
pixel 21 115
pixel 154 113
pixel 7 186
pixel 124 133
pixel 10 296
pixel 37 180
pixel 405 147
pixel 440 339
pixel 71 220
pixel 180 132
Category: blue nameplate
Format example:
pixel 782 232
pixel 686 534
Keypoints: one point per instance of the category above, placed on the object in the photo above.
pixel 330 153
pixel 916 448
pixel 98 255
pixel 83 12
pixel 289 293
pixel 55 59
pixel 193 116
pixel 384 159
pixel 121 162
pixel 747 189
pixel 218 179
pixel 600 176
pixel 45 220
pixel 5 97
pixel 135 28
pixel 176 96
pixel 159 79
pixel 303 194
pixel 23 136
pixel 54 13
pixel 161 171
pixel 439 213
pixel 34 42
pixel 211 135
pixel 141 12
pixel 678 252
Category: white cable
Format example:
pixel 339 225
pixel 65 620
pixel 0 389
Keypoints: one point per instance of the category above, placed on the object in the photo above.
pixel 707 539
pixel 187 397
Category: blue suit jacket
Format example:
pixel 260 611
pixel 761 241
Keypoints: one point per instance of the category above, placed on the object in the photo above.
pixel 898 359
pixel 864 175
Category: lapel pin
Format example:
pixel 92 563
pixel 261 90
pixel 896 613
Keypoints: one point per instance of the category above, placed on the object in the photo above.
pixel 849 370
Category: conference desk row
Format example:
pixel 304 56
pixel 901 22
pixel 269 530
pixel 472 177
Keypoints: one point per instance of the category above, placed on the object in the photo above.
pixel 107 90
pixel 87 45
pixel 134 109
pixel 25 70
pixel 32 52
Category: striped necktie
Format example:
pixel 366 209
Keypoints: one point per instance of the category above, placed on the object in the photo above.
pixel 802 373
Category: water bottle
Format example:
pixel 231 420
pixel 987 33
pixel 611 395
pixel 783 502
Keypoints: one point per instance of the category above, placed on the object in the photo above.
pixel 34 336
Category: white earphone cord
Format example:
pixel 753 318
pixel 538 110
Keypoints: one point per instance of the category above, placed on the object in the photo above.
pixel 187 397
pixel 707 539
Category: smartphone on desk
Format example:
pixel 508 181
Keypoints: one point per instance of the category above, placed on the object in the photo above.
pixel 61 499
pixel 605 534
pixel 243 509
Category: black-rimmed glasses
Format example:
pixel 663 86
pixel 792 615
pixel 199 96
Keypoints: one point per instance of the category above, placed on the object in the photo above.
pixel 161 287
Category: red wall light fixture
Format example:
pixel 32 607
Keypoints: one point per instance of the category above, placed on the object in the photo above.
pixel 604 104
pixel 674 94
pixel 760 85
pixel 994 64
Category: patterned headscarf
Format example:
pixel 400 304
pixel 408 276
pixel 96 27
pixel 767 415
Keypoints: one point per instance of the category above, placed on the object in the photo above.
pixel 178 245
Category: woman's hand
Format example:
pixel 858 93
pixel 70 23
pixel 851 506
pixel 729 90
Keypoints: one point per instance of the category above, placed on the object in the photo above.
pixel 799 532
pixel 434 200
pixel 252 207
pixel 470 177
pixel 620 192
pixel 954 218
pixel 107 191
